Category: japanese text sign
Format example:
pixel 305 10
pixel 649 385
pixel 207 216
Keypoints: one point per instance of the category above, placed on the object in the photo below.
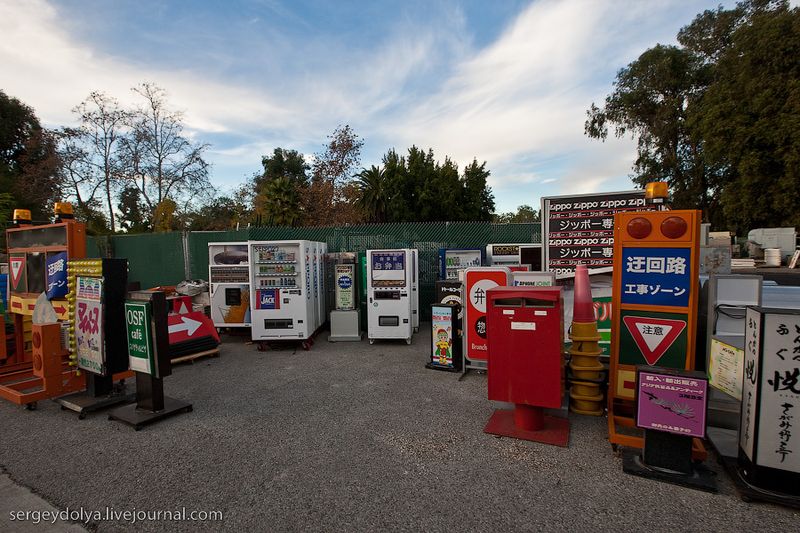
pixel 771 388
pixel 670 402
pixel 89 326
pixel 477 281
pixel 656 276
pixel 56 275
pixel 345 286
pixel 579 230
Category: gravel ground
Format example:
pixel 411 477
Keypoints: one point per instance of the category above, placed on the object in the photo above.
pixel 348 436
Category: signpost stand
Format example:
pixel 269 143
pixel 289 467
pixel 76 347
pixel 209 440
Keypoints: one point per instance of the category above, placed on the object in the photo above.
pixel 148 351
pixel 96 299
pixel 654 307
pixel 671 408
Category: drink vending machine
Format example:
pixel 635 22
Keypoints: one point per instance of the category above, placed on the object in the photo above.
pixel 288 285
pixel 345 318
pixel 451 262
pixel 229 284
pixel 391 276
pixel 515 254
pixel 415 290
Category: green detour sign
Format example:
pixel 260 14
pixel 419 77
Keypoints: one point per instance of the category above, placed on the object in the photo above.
pixel 138 317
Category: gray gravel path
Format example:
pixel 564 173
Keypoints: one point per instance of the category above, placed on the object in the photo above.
pixel 348 436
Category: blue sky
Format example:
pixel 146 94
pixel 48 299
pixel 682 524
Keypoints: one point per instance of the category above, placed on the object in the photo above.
pixel 507 82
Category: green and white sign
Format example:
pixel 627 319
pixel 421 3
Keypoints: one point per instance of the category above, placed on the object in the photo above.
pixel 345 287
pixel 138 319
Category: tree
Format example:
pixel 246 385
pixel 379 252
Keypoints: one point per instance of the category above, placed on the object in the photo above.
pixel 78 178
pixel 650 102
pixel 220 213
pixel 103 125
pixel 477 199
pixel 281 203
pixel 524 214
pixel 749 117
pixel 134 217
pixel 717 116
pixel 326 200
pixel 416 187
pixel 28 161
pixel 372 199
pixel 341 157
pixel 157 157
pixel 273 201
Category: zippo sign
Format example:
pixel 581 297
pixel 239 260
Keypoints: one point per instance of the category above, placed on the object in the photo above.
pixel 477 281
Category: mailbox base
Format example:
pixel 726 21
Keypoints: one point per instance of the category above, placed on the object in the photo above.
pixel 529 423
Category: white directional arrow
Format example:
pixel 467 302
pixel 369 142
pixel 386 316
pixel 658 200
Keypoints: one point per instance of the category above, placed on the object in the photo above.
pixel 187 324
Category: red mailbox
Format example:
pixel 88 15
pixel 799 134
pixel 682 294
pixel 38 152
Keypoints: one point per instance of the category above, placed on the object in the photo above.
pixel 525 362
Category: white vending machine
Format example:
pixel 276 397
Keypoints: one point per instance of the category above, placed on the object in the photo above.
pixel 415 289
pixel 229 284
pixel 287 287
pixel 390 296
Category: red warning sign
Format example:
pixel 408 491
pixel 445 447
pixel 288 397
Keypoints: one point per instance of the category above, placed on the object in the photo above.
pixel 653 336
pixel 16 266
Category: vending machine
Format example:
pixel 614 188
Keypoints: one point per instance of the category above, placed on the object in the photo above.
pixel 451 262
pixel 390 300
pixel 229 284
pixel 345 319
pixel 283 277
pixel 415 290
pixel 515 254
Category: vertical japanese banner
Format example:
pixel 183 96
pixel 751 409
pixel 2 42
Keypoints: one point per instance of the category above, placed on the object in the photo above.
pixel 89 324
pixel 779 406
pixel 477 281
pixel 752 356
pixel 56 275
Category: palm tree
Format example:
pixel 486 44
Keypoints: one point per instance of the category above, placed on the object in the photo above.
pixel 281 202
pixel 372 186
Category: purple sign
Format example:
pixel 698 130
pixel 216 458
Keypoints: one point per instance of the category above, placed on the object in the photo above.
pixel 670 402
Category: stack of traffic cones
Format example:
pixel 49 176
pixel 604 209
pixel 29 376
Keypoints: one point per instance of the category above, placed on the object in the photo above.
pixel 585 395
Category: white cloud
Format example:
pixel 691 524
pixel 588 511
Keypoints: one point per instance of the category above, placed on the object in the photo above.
pixel 518 103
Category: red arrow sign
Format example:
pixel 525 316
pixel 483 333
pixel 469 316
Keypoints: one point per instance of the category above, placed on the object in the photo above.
pixel 60 309
pixel 653 336
pixel 191 326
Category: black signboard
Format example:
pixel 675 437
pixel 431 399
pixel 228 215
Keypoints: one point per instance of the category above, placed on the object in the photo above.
pixel 579 230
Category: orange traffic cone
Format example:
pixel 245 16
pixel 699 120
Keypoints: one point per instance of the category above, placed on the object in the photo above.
pixel 585 365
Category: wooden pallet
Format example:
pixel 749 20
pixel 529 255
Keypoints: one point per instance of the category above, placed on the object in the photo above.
pixel 193 356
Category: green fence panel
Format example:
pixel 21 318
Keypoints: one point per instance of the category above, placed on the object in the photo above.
pixel 198 248
pixel 427 237
pixel 158 258
pixel 153 258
